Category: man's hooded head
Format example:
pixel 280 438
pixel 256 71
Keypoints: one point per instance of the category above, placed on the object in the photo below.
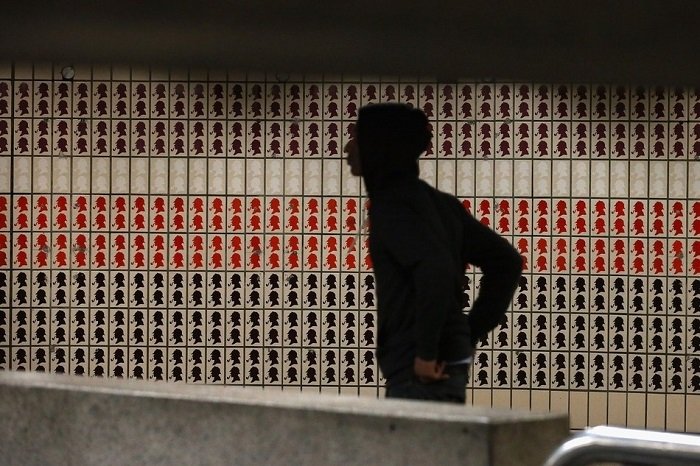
pixel 390 138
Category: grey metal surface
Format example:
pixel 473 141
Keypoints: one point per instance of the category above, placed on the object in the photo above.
pixel 627 446
pixel 62 419
pixel 643 42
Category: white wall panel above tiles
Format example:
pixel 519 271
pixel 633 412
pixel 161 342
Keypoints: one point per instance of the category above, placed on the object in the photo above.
pixel 101 175
pixel 503 178
pixel 274 177
pixel 177 180
pixel 216 176
pixel 428 172
pixel 465 178
pixel 561 178
pixel 446 176
pixel 41 176
pixel 600 178
pixel 580 178
pixel 313 177
pixel 158 176
pixel 5 173
pixel 678 179
pixel 197 176
pixel 235 177
pixel 255 176
pixel 61 175
pixel 139 175
pixel 484 177
pixel 522 178
pixel 658 179
pixel 119 174
pixel 693 177
pixel 542 178
pixel 619 178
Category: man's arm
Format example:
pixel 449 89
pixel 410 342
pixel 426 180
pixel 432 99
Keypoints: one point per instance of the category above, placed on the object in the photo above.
pixel 501 265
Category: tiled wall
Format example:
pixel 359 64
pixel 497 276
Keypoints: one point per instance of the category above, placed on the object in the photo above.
pixel 204 228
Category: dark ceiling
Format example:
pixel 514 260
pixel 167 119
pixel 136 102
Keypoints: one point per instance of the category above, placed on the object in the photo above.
pixel 620 42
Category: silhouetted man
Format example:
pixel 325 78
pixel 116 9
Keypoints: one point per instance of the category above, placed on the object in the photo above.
pixel 420 241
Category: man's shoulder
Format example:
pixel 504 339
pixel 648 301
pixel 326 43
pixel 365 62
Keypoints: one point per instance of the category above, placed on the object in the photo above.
pixel 390 207
pixel 396 195
pixel 441 196
pixel 407 196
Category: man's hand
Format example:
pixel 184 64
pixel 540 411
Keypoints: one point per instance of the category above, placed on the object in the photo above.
pixel 429 371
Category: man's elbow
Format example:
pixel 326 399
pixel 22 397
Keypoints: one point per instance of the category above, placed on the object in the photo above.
pixel 508 264
pixel 512 261
pixel 517 262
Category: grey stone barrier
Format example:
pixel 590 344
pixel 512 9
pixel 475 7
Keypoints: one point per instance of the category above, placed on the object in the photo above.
pixel 51 419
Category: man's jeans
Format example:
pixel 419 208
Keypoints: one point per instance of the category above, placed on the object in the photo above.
pixel 451 390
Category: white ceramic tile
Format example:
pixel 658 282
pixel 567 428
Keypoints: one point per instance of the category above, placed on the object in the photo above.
pixel 255 177
pixel 23 71
pixel 636 410
pixel 5 174
pixel 504 178
pixel 639 178
pixel 523 185
pixel 293 172
pixel 580 180
pixel 484 177
pixel 619 178
pixel 140 73
pixel 677 179
pixel 600 178
pixel 100 175
pixel 598 409
pixel 197 176
pixel 658 179
pixel 617 409
pixel 332 173
pixel 693 177
pixel 121 72
pixel 446 175
pixel 139 175
pixel 312 177
pixel 235 177
pixel 120 174
pixel 42 70
pixel 5 70
pixel 542 177
pixel 351 185
pixel 61 174
pixel 158 175
pixel 41 177
pixel 427 169
pixel 178 176
pixel 465 177
pixel 22 174
pixel 675 413
pixel 80 176
pixel 217 176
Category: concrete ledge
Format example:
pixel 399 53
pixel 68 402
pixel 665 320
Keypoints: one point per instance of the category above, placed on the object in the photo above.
pixel 63 419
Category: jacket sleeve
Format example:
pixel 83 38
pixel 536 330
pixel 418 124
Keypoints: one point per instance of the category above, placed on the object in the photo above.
pixel 414 245
pixel 501 266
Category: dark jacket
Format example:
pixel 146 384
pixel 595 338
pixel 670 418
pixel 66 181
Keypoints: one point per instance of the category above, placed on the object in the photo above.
pixel 420 242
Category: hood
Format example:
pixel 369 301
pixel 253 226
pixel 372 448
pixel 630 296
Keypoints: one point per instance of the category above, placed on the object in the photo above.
pixel 390 139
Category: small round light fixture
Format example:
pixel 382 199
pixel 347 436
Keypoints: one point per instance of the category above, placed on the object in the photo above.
pixel 68 72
